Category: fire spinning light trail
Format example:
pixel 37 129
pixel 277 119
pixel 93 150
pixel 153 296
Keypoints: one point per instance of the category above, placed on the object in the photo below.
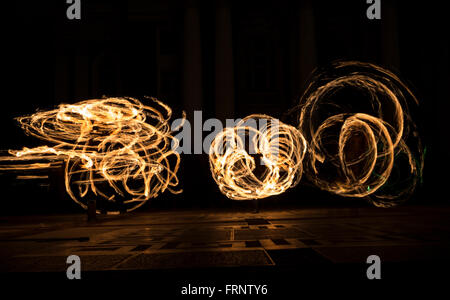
pixel 115 150
pixel 362 139
pixel 279 147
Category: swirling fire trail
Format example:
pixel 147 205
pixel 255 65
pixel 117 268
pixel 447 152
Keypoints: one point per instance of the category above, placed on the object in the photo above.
pixel 115 150
pixel 279 147
pixel 362 138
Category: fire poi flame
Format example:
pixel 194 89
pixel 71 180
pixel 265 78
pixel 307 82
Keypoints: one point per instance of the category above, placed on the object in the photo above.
pixel 362 139
pixel 280 147
pixel 356 138
pixel 115 149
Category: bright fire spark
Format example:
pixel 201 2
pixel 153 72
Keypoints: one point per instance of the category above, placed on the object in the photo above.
pixel 115 149
pixel 280 147
pixel 360 130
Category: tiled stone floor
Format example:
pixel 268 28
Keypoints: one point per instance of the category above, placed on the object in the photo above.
pixel 191 239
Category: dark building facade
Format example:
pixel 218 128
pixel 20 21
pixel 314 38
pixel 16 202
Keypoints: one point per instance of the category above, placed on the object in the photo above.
pixel 226 58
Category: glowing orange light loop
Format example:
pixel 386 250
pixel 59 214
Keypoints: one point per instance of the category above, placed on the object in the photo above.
pixel 354 146
pixel 115 148
pixel 280 147
pixel 355 116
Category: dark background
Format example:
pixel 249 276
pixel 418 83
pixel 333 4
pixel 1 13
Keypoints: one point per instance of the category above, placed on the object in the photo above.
pixel 226 58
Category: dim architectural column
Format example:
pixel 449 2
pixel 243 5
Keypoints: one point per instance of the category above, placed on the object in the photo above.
pixel 192 73
pixel 224 79
pixel 389 35
pixel 81 76
pixel 62 78
pixel 307 42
